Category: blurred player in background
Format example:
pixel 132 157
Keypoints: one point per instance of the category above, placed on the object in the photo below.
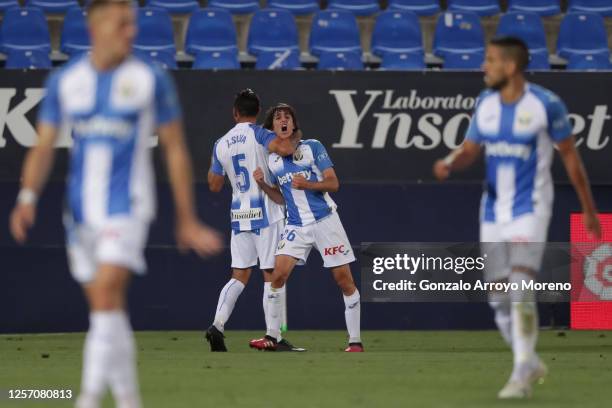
pixel 257 221
pixel 305 180
pixel 113 103
pixel 518 123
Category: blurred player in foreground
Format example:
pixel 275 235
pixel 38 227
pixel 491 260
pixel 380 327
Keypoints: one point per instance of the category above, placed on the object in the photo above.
pixel 114 103
pixel 305 179
pixel 518 123
pixel 257 221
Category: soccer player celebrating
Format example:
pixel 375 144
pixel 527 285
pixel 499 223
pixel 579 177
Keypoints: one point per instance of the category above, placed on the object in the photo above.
pixel 518 123
pixel 305 180
pixel 113 103
pixel 257 220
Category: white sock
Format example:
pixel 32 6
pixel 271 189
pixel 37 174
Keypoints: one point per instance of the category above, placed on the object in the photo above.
pixel 524 321
pixel 227 300
pixel 275 312
pixel 500 303
pixel 123 375
pixel 266 292
pixel 352 315
pixel 96 359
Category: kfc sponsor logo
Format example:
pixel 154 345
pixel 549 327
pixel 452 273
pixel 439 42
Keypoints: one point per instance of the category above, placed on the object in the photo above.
pixel 335 250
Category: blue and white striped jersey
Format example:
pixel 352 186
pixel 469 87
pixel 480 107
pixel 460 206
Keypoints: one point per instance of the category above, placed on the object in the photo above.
pixel 309 160
pixel 112 116
pixel 238 153
pixel 518 140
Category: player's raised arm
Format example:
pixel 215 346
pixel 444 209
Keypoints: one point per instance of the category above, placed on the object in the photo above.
pixel 285 146
pixel 459 159
pixel 330 182
pixel 272 191
pixel 579 179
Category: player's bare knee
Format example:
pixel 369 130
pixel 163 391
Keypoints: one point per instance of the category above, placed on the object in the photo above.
pixel 241 275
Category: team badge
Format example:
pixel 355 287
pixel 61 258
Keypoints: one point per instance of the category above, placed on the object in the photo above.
pixel 298 155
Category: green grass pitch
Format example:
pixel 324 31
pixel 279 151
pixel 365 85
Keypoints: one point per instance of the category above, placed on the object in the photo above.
pixel 398 369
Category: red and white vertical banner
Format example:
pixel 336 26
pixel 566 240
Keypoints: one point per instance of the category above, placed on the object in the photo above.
pixel 591 276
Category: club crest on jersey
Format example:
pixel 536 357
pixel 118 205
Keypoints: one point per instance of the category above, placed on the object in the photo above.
pixel 298 155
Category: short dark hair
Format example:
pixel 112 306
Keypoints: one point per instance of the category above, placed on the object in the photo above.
pixel 247 103
pixel 96 4
pixel 269 120
pixel 515 48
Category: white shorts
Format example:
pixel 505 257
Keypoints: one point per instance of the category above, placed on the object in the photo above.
pixel 326 235
pixel 119 242
pixel 248 246
pixel 517 243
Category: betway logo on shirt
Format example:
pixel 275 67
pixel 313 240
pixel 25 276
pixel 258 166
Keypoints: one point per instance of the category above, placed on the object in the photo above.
pixel 289 176
pixel 505 149
pixel 101 126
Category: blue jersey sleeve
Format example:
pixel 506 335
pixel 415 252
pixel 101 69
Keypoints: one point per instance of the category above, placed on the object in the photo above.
pixel 167 106
pixel 263 136
pixel 559 127
pixel 50 111
pixel 215 165
pixel 321 158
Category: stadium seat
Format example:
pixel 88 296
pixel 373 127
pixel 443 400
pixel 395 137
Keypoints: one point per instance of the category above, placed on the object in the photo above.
pixel 236 6
pixel 480 7
pixel 603 7
pixel 334 31
pixel 25 29
pixel 164 59
pixel 538 61
pixel 210 30
pixel 216 60
pixel 288 59
pixel 420 7
pixel 589 62
pixel 458 33
pixel 471 60
pixel 397 32
pixel 297 7
pixel 403 61
pixel 343 61
pixel 541 7
pixel 7 4
pixel 20 59
pixel 357 7
pixel 175 6
pixel 53 6
pixel 75 36
pixel 272 30
pixel 526 26
pixel 154 30
pixel 582 33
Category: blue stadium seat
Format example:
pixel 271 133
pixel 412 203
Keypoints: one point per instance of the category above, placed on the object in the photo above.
pixel 480 7
pixel 541 7
pixel 297 7
pixel 538 61
pixel 357 7
pixel 154 30
pixel 25 29
pixel 397 31
pixel 272 30
pixel 603 7
pixel 279 60
pixel 526 26
pixel 7 4
pixel 471 60
pixel 589 62
pixel 343 61
pixel 75 36
pixel 582 33
pixel 236 6
pixel 334 30
pixel 175 6
pixel 164 59
pixel 403 61
pixel 458 33
pixel 216 60
pixel 210 30
pixel 34 59
pixel 53 6
pixel 420 7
